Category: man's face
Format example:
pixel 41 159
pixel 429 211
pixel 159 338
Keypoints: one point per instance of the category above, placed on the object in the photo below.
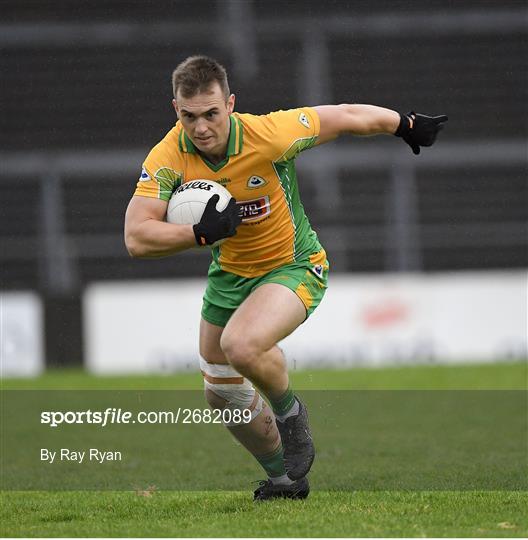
pixel 205 119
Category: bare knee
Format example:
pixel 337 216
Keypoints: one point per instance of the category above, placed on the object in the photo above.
pixel 241 352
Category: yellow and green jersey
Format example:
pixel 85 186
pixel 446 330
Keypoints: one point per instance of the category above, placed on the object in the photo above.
pixel 259 171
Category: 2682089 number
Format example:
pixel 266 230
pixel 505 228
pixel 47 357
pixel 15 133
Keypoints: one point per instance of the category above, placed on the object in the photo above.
pixel 216 416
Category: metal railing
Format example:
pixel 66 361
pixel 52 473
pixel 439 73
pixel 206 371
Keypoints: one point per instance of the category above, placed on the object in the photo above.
pixel 400 236
pixel 237 30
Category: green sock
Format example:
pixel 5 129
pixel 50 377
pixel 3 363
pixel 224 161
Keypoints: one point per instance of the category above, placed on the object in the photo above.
pixel 284 403
pixel 273 463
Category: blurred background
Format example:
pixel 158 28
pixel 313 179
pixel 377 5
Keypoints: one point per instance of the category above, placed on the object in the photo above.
pixel 86 93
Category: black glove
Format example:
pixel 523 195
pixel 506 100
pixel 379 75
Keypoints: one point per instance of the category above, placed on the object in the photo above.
pixel 419 130
pixel 216 225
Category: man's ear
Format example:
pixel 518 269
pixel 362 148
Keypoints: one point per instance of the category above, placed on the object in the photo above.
pixel 175 105
pixel 231 103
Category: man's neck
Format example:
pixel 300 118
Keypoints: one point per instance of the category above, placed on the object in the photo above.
pixel 215 159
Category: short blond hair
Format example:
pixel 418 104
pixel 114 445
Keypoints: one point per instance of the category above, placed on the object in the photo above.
pixel 196 74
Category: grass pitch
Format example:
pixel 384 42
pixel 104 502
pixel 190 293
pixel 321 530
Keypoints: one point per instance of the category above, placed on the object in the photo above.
pixel 152 513
pixel 327 514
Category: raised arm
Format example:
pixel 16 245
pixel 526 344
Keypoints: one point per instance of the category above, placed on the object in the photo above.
pixel 148 236
pixel 356 119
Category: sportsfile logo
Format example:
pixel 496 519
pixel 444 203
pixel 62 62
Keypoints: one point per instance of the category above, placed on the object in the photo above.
pixel 255 208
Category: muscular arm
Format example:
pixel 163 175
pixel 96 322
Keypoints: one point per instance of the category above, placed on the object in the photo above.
pixel 355 119
pixel 148 236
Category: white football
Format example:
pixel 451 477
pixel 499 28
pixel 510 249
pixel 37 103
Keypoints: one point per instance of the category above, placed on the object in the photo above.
pixel 188 202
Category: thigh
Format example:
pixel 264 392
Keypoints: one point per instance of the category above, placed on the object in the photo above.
pixel 270 313
pixel 210 350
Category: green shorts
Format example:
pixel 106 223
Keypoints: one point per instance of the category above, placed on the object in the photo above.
pixel 226 291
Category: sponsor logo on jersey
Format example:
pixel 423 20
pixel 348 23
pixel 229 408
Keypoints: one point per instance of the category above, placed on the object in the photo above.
pixel 255 208
pixel 144 176
pixel 303 119
pixel 223 181
pixel 318 270
pixel 255 182
pixel 196 184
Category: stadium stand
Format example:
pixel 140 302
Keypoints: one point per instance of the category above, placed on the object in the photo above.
pixel 79 95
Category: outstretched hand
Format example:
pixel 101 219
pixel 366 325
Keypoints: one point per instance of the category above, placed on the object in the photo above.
pixel 215 225
pixel 419 129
